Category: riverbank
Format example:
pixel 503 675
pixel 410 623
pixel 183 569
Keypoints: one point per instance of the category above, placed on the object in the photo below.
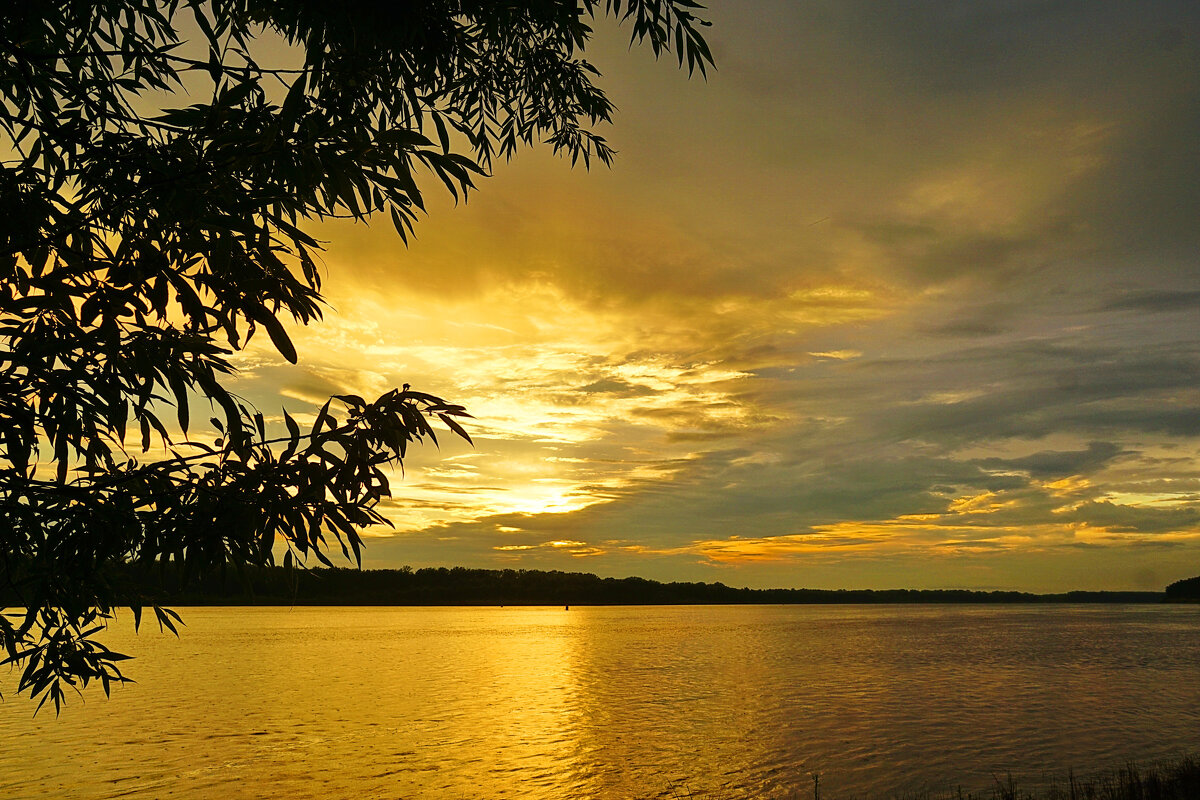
pixel 1171 780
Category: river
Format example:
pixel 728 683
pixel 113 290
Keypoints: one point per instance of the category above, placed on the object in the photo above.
pixel 616 702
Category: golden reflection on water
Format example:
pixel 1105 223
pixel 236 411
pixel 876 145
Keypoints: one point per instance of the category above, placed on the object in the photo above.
pixel 525 673
pixel 542 703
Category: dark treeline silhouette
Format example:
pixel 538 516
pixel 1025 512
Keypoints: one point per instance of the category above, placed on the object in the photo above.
pixel 1185 591
pixel 159 584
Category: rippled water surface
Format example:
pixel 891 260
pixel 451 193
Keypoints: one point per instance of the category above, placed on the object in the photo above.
pixel 616 702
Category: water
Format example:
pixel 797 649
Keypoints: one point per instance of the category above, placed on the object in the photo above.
pixel 538 703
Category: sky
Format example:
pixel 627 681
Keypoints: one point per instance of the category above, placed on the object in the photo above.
pixel 902 295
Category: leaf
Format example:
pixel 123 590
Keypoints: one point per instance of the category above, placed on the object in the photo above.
pixel 203 24
pixel 178 388
pixel 322 418
pixel 293 103
pixel 443 134
pixel 166 619
pixel 278 336
pixel 238 94
pixel 293 428
pixel 453 425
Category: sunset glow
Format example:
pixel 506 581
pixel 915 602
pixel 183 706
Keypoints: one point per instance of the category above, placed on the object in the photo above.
pixel 876 305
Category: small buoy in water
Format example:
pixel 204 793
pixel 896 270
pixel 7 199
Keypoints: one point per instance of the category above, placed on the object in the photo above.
pixel 566 608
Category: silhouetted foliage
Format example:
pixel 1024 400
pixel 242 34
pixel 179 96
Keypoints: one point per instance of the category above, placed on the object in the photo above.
pixel 147 238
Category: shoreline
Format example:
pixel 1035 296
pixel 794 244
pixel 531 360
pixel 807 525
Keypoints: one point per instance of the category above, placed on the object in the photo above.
pixel 163 584
pixel 1171 779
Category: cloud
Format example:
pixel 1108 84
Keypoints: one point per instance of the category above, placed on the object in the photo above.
pixel 899 296
pixel 1133 519
pixel 616 386
pixel 839 355
pixel 960 328
pixel 1057 463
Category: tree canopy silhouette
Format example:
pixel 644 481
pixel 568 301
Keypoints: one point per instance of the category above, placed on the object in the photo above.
pixel 160 159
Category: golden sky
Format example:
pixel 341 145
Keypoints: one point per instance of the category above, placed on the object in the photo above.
pixel 902 295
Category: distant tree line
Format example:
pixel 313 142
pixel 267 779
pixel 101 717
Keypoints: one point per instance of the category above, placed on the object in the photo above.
pixel 1185 591
pixel 167 584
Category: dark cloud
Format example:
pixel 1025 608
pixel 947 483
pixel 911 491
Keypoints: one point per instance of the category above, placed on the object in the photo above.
pixel 1033 390
pixel 966 328
pixel 1059 463
pixel 617 387
pixel 1172 421
pixel 1137 519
